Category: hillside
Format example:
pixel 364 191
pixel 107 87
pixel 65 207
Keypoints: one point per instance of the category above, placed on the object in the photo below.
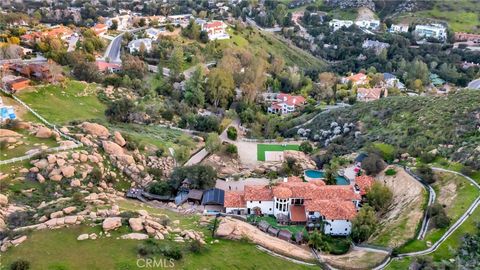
pixel 414 124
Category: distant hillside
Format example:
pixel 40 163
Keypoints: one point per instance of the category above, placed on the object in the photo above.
pixel 414 124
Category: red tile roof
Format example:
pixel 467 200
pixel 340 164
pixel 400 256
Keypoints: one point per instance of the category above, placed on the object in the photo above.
pixel 214 24
pixel 365 182
pixel 102 66
pixel 282 192
pixel 291 100
pixel 357 77
pixel 234 199
pixel 370 93
pixel 258 193
pixel 332 209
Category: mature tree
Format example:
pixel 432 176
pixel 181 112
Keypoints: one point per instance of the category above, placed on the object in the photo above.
pixel 160 188
pixel 220 87
pixel 213 142
pixel 253 80
pixel 114 25
pixel 86 71
pixel 200 176
pixel 194 93
pixel 426 173
pixel 181 153
pixel 379 196
pixel 364 224
pixel 317 241
pixel 176 62
pixel 325 88
pixel 438 216
pixel 120 110
pixel 373 164
pixel 133 66
pixel 306 147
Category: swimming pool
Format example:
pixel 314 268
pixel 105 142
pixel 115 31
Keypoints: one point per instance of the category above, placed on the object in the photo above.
pixel 316 174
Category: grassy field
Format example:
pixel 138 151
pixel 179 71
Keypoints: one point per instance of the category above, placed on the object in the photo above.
pixel 461 15
pixel 43 251
pixel 60 105
pixel 29 142
pixel 273 222
pixel 457 199
pixel 261 148
pixel 256 41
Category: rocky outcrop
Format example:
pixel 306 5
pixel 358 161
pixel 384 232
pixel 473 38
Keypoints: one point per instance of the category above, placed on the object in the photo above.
pixel 9 133
pixel 302 159
pixel 95 129
pixel 44 132
pixel 112 148
pixel 136 224
pixel 111 223
pixel 135 236
pixel 118 138
pixel 3 200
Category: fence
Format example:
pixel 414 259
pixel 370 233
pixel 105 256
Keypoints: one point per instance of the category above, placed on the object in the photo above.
pixel 32 155
pixel 43 120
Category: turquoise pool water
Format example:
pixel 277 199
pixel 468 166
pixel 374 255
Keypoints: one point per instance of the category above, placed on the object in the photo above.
pixel 316 174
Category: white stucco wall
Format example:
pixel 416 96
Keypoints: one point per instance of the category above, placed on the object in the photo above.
pixel 228 210
pixel 265 206
pixel 338 227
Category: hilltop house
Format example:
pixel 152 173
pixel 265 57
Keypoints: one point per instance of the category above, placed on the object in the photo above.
pixel 368 24
pixel 153 33
pixel 104 66
pixel 283 103
pixel 356 79
pixel 39 71
pixel 460 36
pixel 137 44
pixel 100 28
pixel 398 28
pixel 392 81
pixel 14 83
pixel 215 30
pixel 437 31
pixel 337 24
pixel 296 202
pixel 58 31
pixel 371 94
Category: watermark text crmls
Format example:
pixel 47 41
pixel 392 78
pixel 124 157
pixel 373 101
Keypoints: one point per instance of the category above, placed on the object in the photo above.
pixel 155 263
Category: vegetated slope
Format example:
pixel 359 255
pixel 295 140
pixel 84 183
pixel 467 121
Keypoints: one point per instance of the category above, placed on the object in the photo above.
pixel 414 124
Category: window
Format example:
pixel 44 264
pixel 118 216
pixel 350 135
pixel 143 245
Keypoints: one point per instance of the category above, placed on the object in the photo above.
pixel 269 209
pixel 331 229
pixel 345 229
pixel 311 213
pixel 251 201
pixel 259 202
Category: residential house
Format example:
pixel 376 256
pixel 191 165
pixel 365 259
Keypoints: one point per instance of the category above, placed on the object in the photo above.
pixel 183 19
pixel 14 83
pixel 375 45
pixel 371 94
pixel 138 44
pixel 104 66
pixel 297 202
pixel 392 81
pixel 284 103
pixel 100 28
pixel 153 33
pixel 368 24
pixel 39 71
pixel 59 31
pixel 437 31
pixel 215 30
pixel 461 36
pixel 337 24
pixel 356 79
pixel 398 28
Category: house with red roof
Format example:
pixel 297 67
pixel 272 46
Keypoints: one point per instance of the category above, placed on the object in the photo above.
pixel 298 202
pixel 215 30
pixel 104 66
pixel 100 28
pixel 285 103
pixel 356 79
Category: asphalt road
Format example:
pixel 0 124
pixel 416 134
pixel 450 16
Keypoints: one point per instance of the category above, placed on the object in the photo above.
pixel 113 50
pixel 474 84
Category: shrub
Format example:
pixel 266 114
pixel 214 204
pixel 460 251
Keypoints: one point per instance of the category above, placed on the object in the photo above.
pixel 19 219
pixel 364 224
pixel 167 115
pixel 373 164
pixel 379 196
pixel 390 172
pixel 232 133
pixel 306 147
pixel 438 216
pixel 466 170
pixel 426 173
pixel 160 188
pixel 427 157
pixel 232 149
pixel 20 265
pixel 156 172
pixel 196 247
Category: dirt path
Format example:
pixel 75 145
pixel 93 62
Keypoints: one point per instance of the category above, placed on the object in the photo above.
pixel 405 212
pixel 365 13
pixel 355 259
pixel 235 229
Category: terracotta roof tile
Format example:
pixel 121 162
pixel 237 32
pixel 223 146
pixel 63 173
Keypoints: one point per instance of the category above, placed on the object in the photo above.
pixel 258 193
pixel 234 199
pixel 332 209
pixel 364 182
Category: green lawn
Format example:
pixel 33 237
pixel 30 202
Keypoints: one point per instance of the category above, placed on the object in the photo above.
pixel 60 105
pixel 261 148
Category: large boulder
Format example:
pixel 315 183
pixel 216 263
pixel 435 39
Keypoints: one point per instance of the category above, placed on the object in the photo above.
pixel 119 138
pixel 111 223
pixel 125 159
pixel 112 148
pixel 82 237
pixel 9 133
pixel 68 171
pixel 95 129
pixel 44 132
pixel 135 236
pixel 136 224
pixel 3 200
